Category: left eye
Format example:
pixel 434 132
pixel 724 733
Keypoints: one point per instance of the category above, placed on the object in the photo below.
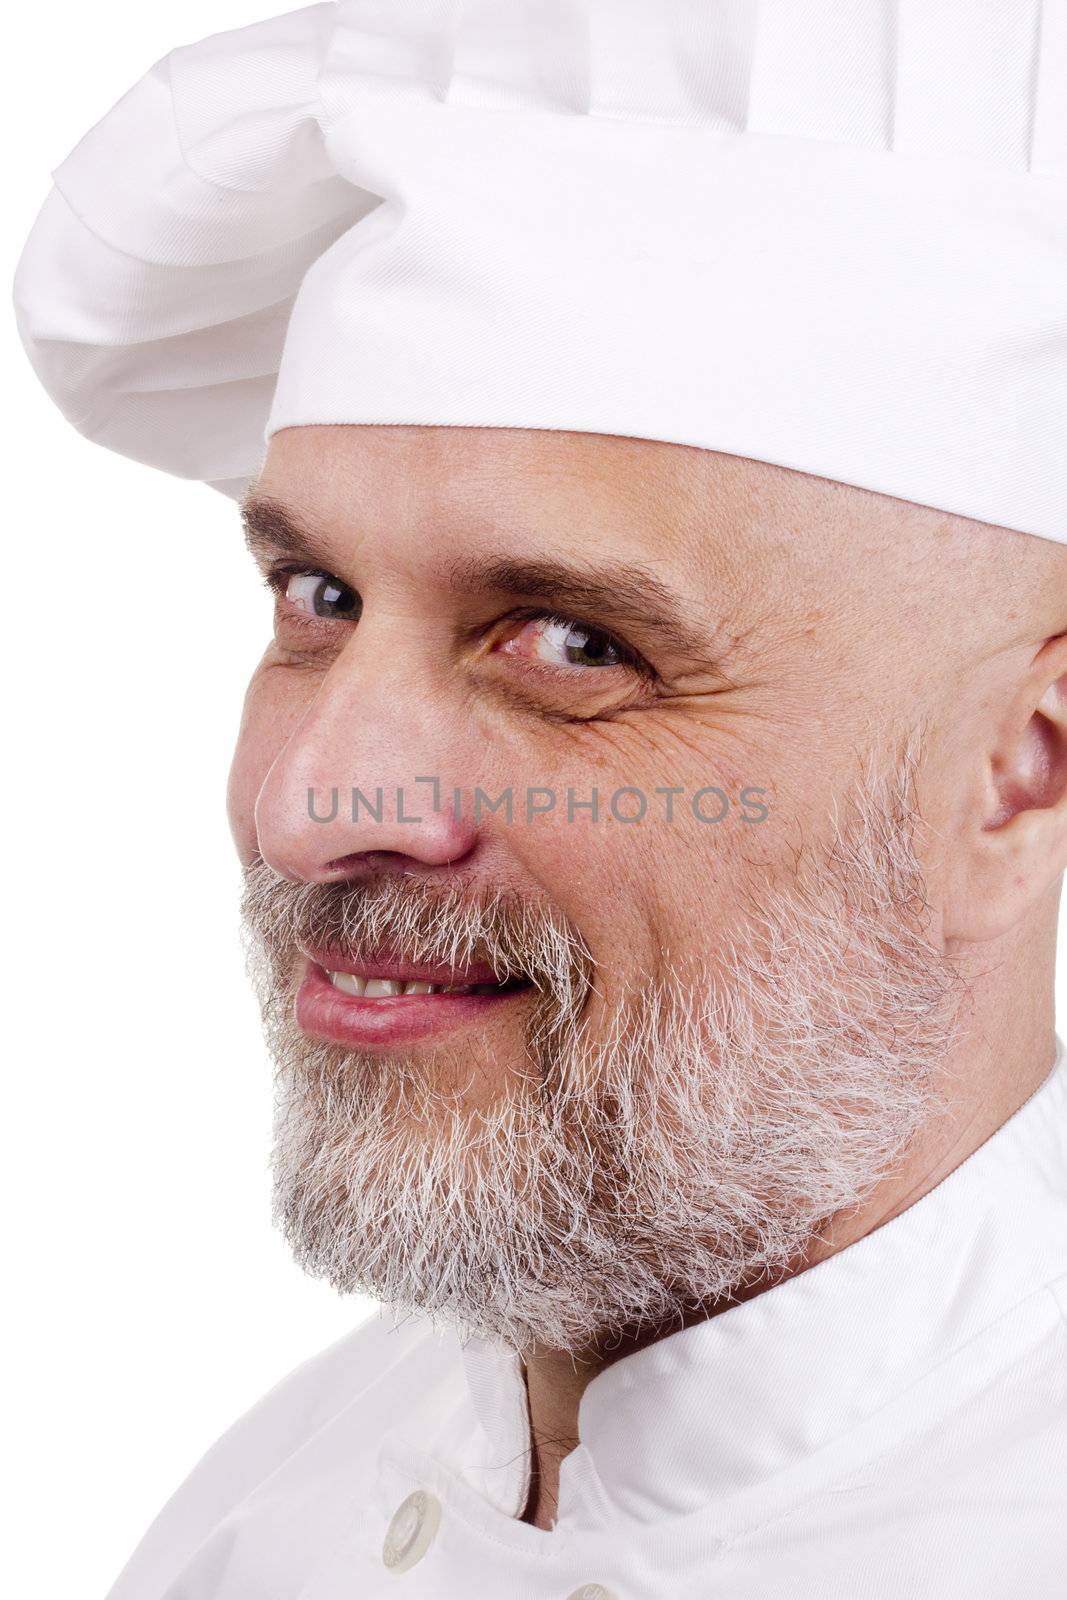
pixel 322 596
pixel 564 642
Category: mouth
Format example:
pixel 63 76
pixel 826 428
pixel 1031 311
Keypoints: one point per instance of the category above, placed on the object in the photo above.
pixel 388 1000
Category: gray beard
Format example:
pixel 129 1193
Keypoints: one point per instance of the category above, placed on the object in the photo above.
pixel 696 1146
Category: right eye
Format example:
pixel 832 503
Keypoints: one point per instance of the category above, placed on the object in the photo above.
pixel 321 595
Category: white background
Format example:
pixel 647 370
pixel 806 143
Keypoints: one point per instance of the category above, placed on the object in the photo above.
pixel 148 1300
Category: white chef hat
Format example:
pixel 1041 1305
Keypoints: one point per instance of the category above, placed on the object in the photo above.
pixel 830 236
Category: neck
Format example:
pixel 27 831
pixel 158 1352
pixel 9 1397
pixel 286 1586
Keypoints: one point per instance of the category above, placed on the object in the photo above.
pixel 1003 1051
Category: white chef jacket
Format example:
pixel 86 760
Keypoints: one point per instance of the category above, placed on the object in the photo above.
pixel 889 1425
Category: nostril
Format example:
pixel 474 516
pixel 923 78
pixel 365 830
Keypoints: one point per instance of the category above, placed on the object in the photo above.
pixel 365 863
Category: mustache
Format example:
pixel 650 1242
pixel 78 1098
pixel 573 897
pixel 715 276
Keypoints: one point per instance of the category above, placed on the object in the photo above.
pixel 448 923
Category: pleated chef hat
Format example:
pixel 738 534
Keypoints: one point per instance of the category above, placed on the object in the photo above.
pixel 830 236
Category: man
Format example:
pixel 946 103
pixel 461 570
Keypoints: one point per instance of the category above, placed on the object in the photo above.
pixel 653 799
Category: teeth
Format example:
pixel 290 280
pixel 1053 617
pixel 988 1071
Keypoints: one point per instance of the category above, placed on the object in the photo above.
pixel 378 988
pixel 383 988
pixel 347 982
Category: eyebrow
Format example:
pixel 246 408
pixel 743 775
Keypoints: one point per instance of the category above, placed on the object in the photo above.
pixel 611 592
pixel 624 594
pixel 272 529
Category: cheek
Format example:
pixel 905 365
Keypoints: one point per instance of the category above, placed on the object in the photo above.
pixel 652 899
pixel 241 794
pixel 655 882
pixel 272 707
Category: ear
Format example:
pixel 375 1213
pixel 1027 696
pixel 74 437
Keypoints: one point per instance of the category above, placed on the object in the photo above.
pixel 1016 842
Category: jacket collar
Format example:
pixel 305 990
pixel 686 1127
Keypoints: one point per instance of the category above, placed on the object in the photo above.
pixel 712 1410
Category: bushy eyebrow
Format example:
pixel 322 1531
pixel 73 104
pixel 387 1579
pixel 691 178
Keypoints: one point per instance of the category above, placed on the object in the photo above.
pixel 272 530
pixel 611 594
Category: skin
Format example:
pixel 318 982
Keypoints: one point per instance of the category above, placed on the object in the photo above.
pixel 828 619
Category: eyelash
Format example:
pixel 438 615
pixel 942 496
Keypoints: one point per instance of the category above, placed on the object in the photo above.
pixel 629 656
pixel 277 579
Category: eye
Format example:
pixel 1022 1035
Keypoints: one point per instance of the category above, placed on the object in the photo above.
pixel 320 595
pixel 563 642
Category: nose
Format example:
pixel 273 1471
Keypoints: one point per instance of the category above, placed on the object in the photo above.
pixel 359 788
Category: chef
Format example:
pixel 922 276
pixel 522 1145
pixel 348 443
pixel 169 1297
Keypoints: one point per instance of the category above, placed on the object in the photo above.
pixel 648 419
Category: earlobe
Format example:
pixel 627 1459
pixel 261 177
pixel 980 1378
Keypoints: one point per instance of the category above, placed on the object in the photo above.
pixel 1018 844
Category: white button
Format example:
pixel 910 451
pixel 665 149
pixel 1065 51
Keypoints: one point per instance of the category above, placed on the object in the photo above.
pixel 411 1531
pixel 591 1591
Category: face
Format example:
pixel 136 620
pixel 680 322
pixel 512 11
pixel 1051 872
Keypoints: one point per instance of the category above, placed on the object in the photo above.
pixel 585 883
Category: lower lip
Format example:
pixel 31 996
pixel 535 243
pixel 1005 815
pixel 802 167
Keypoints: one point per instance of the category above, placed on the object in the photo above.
pixel 328 1013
